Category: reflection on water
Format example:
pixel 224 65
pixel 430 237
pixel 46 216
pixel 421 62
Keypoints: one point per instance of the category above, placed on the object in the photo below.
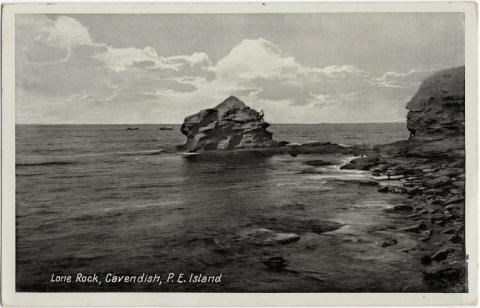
pixel 136 212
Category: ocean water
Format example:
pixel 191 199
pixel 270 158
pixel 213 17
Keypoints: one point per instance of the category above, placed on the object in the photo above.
pixel 104 199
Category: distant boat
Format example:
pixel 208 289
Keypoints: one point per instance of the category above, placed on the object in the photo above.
pixel 132 128
pixel 166 128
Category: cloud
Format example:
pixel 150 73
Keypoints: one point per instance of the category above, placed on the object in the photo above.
pixel 59 64
pixel 67 32
pixel 119 59
pixel 260 64
pixel 260 58
pixel 409 79
pixel 336 71
pixel 197 58
pixel 62 31
pixel 44 41
pixel 57 58
pixel 253 59
pixel 323 100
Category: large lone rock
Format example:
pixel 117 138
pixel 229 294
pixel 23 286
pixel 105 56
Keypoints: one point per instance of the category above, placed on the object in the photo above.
pixel 436 117
pixel 230 125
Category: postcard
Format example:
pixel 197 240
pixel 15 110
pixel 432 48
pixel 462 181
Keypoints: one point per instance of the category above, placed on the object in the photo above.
pixel 217 154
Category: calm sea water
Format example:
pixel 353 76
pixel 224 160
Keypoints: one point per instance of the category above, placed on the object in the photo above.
pixel 101 198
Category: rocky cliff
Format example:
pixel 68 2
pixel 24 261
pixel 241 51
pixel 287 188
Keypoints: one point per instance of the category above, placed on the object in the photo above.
pixel 436 117
pixel 432 174
pixel 230 125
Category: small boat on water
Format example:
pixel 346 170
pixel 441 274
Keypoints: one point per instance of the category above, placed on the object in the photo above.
pixel 166 128
pixel 132 128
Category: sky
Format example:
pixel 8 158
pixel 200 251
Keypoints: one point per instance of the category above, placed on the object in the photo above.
pixel 160 68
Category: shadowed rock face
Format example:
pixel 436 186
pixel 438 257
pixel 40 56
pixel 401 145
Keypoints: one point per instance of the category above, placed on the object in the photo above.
pixel 436 117
pixel 230 125
pixel 439 105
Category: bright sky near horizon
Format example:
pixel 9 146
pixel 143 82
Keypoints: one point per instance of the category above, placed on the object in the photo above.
pixel 297 68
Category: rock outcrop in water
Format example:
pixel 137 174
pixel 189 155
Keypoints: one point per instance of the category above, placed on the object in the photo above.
pixel 436 117
pixel 230 125
pixel 234 128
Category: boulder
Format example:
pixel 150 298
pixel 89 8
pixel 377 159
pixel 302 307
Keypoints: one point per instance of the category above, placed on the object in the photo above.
pixel 230 125
pixel 268 237
pixel 389 242
pixel 442 254
pixel 362 163
pixel 415 191
pixel 415 228
pixel 426 235
pixel 449 231
pixel 456 239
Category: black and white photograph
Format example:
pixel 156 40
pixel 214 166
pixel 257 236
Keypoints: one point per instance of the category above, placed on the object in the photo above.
pixel 266 152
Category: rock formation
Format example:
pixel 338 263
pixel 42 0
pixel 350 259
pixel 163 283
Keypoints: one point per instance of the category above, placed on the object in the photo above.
pixel 436 117
pixel 230 125
pixel 433 174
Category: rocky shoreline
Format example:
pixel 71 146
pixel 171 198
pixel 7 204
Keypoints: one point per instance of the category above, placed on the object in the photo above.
pixel 428 168
pixel 436 185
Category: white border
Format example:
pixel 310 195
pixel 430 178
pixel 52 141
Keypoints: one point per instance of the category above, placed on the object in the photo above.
pixel 12 298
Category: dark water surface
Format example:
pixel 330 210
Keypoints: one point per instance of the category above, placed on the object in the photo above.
pixel 100 199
